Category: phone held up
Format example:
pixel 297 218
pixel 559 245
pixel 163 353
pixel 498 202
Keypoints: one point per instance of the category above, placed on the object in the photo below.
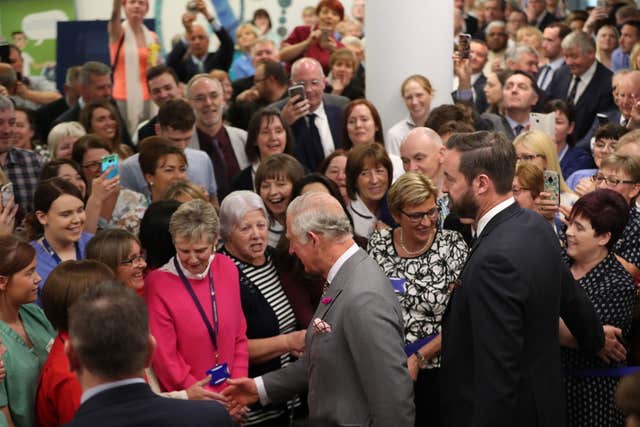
pixel 297 90
pixel 552 185
pixel 108 161
pixel 464 45
pixel 7 193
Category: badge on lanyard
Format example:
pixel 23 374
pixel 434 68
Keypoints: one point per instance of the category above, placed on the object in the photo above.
pixel 398 284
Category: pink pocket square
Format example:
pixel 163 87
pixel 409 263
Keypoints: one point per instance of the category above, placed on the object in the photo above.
pixel 320 326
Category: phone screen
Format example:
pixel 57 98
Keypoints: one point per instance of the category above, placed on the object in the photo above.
pixel 464 45
pixel 109 161
pixel 7 193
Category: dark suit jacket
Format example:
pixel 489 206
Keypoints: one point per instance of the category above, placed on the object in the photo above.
pixel 575 159
pixel 73 115
pixel 597 97
pixel 136 405
pixel 334 108
pixel 546 21
pixel 180 59
pixel 149 129
pixel 471 24
pixel 500 348
pixel 46 114
pixel 240 86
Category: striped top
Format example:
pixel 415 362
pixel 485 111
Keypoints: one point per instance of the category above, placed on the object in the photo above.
pixel 265 278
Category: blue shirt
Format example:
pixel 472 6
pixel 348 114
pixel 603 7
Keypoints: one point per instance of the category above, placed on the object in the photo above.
pixel 46 263
pixel 199 171
pixel 619 60
pixel 241 67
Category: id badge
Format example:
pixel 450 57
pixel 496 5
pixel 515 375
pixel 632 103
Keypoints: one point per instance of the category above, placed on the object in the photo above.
pixel 219 374
pixel 398 284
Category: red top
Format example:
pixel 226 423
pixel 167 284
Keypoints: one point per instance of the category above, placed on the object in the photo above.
pixel 314 50
pixel 184 350
pixel 59 391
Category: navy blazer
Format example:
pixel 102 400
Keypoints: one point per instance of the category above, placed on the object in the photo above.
pixel 500 351
pixel 334 109
pixel 596 98
pixel 575 159
pixel 136 405
pixel 180 59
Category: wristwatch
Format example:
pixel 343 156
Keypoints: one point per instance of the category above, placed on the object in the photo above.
pixel 422 362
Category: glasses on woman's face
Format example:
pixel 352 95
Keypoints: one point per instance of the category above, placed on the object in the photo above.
pixel 529 157
pixel 606 145
pixel 518 190
pixel 92 166
pixel 142 257
pixel 416 217
pixel 610 181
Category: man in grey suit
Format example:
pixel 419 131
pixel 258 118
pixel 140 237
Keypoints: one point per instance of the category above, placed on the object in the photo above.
pixel 223 144
pixel 354 366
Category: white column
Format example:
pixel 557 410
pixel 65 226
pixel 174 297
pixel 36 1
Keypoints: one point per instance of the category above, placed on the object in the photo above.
pixel 405 37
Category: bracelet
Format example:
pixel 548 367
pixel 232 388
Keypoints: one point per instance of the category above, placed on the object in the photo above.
pixel 422 362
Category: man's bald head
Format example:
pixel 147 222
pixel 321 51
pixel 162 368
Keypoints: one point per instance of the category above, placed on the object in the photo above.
pixel 422 151
pixel 198 41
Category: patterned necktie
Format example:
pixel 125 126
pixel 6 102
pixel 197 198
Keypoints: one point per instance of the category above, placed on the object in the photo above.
pixel 544 74
pixel 518 129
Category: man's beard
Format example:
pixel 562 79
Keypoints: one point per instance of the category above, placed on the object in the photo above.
pixel 466 207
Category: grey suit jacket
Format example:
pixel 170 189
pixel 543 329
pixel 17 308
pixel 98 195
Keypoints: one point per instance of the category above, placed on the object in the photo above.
pixel 356 374
pixel 238 138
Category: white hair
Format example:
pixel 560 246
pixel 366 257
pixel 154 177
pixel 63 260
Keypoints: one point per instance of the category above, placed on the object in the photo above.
pixel 307 214
pixel 235 206
pixel 60 131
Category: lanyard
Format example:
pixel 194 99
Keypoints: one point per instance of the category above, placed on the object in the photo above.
pixel 213 330
pixel 53 253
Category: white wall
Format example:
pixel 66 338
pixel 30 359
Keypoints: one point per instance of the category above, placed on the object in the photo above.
pixel 404 38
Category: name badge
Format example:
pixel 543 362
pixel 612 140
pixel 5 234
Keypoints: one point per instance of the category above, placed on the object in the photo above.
pixel 398 284
pixel 219 374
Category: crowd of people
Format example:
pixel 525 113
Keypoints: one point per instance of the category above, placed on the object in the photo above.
pixel 237 227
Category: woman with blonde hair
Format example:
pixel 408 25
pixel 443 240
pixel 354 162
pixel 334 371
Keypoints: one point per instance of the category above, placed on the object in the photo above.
pixel 538 148
pixel 61 139
pixel 417 93
pixel 242 65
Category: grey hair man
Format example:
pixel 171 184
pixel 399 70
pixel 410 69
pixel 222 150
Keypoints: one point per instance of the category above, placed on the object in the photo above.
pixel 224 144
pixel 109 347
pixel 583 82
pixel 359 310
pixel 522 58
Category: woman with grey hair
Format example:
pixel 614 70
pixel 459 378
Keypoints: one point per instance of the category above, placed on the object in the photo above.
pixel 422 262
pixel 271 324
pixel 195 312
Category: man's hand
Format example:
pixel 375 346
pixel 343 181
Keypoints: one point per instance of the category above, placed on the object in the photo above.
pixel 462 69
pixel 188 18
pixel 241 391
pixel 249 95
pixel 613 350
pixel 295 109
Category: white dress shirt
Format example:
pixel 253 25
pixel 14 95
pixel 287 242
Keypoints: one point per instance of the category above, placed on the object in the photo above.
pixel 322 123
pixel 488 216
pixel 585 79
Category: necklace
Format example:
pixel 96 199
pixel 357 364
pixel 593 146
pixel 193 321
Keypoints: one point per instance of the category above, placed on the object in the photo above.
pixel 419 251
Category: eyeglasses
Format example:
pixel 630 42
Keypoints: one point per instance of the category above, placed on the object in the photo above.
pixel 92 165
pixel 516 191
pixel 313 83
pixel 416 217
pixel 530 157
pixel 602 145
pixel 611 182
pixel 136 259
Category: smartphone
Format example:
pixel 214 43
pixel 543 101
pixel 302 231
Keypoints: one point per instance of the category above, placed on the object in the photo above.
pixel 109 161
pixel 297 90
pixel 602 119
pixel 324 36
pixel 7 193
pixel 552 185
pixel 601 4
pixel 192 6
pixel 464 45
pixel 543 122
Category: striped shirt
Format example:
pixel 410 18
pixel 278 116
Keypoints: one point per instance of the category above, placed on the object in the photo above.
pixel 265 278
